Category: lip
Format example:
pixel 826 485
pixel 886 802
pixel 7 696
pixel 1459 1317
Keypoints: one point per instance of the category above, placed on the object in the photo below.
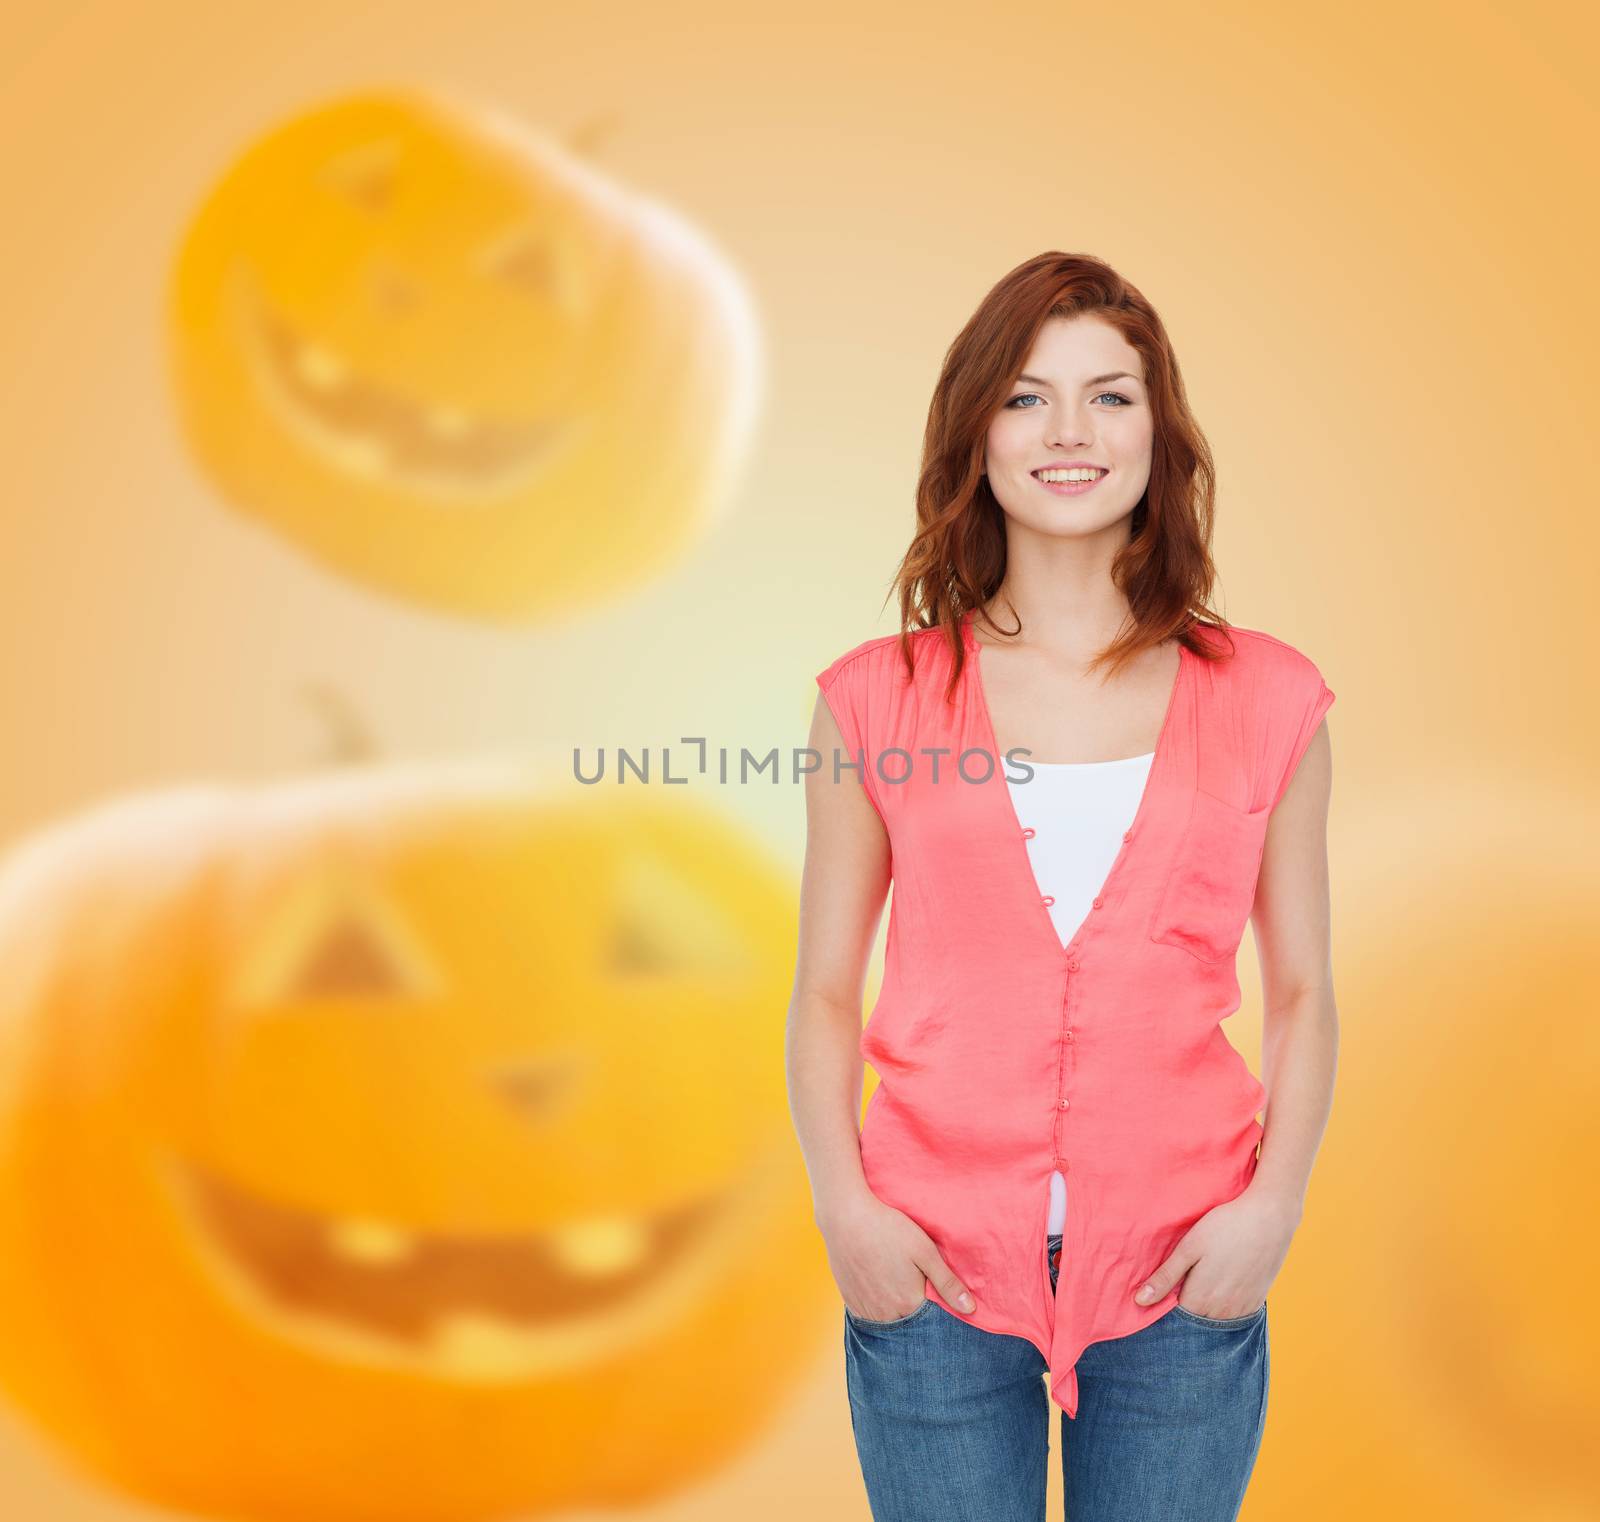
pixel 1072 488
pixel 1070 465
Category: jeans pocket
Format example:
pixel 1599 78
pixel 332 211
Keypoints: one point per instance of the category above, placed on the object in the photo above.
pixel 864 1321
pixel 1222 1323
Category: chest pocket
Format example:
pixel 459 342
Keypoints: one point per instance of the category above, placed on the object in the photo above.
pixel 1211 887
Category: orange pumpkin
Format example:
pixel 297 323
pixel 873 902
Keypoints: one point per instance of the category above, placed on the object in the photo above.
pixel 411 1142
pixel 1434 1350
pixel 456 363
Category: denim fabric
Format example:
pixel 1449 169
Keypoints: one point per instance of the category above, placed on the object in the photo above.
pixel 952 1423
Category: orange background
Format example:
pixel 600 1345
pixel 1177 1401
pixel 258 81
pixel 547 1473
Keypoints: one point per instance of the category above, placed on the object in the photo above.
pixel 1369 232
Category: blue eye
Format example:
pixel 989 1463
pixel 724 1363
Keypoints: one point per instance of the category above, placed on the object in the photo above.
pixel 1121 400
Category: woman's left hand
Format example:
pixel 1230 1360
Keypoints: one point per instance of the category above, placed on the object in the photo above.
pixel 1229 1257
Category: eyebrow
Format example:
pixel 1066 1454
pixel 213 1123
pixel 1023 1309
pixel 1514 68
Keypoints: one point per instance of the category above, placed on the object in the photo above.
pixel 1094 380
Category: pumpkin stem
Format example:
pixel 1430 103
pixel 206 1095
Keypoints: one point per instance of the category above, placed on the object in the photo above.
pixel 349 739
pixel 583 140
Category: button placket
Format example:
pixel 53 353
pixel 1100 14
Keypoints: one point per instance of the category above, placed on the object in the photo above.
pixel 1063 1103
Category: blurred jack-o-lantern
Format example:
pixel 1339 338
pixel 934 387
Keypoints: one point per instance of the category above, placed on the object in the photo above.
pixel 403 1143
pixel 455 362
pixel 1434 1344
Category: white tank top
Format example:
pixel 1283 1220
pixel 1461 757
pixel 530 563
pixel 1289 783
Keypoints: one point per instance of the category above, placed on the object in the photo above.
pixel 1077 811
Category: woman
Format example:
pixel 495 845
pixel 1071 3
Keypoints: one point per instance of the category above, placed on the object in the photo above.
pixel 1060 1171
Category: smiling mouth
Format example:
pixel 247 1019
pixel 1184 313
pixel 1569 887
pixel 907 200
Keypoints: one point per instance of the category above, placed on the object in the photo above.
pixel 474 1306
pixel 377 432
pixel 1071 488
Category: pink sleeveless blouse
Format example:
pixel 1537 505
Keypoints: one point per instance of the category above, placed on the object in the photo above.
pixel 1003 1055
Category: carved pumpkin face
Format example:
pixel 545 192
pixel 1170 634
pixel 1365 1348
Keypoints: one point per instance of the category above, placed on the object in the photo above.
pixel 1445 1212
pixel 399 1134
pixel 454 362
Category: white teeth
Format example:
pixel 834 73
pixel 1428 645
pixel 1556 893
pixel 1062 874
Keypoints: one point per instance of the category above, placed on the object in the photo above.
pixel 605 1246
pixel 475 1345
pixel 319 368
pixel 1080 474
pixel 368 1241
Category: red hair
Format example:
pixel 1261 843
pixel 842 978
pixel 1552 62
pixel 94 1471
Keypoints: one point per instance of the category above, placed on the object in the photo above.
pixel 958 556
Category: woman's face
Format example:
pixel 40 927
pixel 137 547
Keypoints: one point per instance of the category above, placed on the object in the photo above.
pixel 1079 401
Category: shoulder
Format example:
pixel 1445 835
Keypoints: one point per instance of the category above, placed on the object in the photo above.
pixel 871 657
pixel 1264 660
pixel 1269 699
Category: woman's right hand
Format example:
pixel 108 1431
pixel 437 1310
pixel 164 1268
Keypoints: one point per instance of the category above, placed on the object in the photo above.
pixel 880 1259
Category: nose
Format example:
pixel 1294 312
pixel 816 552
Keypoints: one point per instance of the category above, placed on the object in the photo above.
pixel 536 1086
pixel 390 289
pixel 1069 427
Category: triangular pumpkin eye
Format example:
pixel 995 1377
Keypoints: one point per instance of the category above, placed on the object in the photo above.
pixel 663 924
pixel 636 950
pixel 349 960
pixel 335 935
pixel 366 176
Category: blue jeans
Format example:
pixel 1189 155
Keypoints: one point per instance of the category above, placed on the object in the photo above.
pixel 952 1423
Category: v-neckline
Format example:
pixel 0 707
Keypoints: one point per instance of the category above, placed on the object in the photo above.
pixel 1020 845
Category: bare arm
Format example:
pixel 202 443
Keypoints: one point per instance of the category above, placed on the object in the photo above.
pixel 1300 1024
pixel 842 894
pixel 879 1256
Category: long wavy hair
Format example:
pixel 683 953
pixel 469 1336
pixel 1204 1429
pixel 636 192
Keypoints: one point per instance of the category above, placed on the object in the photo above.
pixel 958 556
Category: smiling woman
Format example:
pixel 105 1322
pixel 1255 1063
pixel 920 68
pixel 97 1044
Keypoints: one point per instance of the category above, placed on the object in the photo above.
pixel 1062 1153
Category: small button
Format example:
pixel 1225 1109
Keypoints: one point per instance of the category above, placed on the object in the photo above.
pixel 1064 1103
pixel 1047 900
pixel 1127 834
pixel 1072 966
pixel 1028 833
pixel 1062 1164
pixel 1068 1035
pixel 1098 902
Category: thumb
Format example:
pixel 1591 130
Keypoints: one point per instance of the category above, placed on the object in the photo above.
pixel 953 1290
pixel 1159 1283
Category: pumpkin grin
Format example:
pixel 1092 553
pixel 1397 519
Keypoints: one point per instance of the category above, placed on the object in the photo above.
pixel 376 431
pixel 382 1139
pixel 484 1306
